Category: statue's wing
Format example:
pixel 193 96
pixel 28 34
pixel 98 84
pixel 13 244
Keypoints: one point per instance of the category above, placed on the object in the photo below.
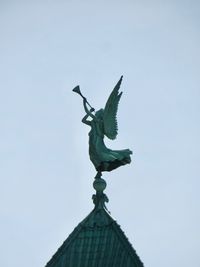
pixel 110 112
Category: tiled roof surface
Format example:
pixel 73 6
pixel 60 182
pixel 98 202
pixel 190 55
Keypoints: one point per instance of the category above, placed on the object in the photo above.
pixel 97 241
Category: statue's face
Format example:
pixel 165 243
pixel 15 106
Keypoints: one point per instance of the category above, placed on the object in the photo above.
pixel 99 114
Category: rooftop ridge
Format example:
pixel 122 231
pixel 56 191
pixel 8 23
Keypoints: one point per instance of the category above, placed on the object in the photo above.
pixel 97 241
pixel 102 233
pixel 126 242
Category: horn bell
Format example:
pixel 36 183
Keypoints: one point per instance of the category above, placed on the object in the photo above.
pixel 77 90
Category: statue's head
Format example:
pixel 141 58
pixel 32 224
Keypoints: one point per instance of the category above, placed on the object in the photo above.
pixel 99 113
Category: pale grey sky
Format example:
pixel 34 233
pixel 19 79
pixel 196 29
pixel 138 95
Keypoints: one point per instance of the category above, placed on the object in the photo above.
pixel 47 48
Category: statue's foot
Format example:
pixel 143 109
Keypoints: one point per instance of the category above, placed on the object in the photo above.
pixel 98 175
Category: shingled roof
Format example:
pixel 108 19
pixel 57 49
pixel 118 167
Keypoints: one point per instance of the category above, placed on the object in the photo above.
pixel 97 241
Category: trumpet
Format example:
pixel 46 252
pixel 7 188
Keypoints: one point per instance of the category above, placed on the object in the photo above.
pixel 78 91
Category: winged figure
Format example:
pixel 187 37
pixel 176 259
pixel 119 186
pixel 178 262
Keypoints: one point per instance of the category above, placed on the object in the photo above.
pixel 104 123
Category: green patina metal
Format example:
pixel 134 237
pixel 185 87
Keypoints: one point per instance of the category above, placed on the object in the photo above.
pixel 104 123
pixel 98 240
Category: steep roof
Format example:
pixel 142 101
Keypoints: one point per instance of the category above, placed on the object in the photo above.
pixel 97 241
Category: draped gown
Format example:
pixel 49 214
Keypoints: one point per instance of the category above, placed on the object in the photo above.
pixel 103 158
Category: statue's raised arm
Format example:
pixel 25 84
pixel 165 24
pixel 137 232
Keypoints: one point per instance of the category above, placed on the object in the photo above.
pixel 104 122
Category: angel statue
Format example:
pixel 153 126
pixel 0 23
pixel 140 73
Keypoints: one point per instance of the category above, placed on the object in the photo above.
pixel 104 123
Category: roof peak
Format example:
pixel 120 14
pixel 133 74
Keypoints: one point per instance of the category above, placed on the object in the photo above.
pixel 97 241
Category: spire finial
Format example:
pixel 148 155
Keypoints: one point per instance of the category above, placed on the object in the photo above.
pixel 99 198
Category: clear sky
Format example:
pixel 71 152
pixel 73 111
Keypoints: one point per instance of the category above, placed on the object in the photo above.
pixel 49 47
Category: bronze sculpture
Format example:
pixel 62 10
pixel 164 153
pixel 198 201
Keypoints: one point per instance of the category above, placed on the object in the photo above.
pixel 104 123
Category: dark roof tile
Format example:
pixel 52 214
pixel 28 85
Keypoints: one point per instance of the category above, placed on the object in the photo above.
pixel 97 241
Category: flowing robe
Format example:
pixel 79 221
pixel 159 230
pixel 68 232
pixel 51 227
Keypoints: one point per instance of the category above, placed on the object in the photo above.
pixel 103 158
